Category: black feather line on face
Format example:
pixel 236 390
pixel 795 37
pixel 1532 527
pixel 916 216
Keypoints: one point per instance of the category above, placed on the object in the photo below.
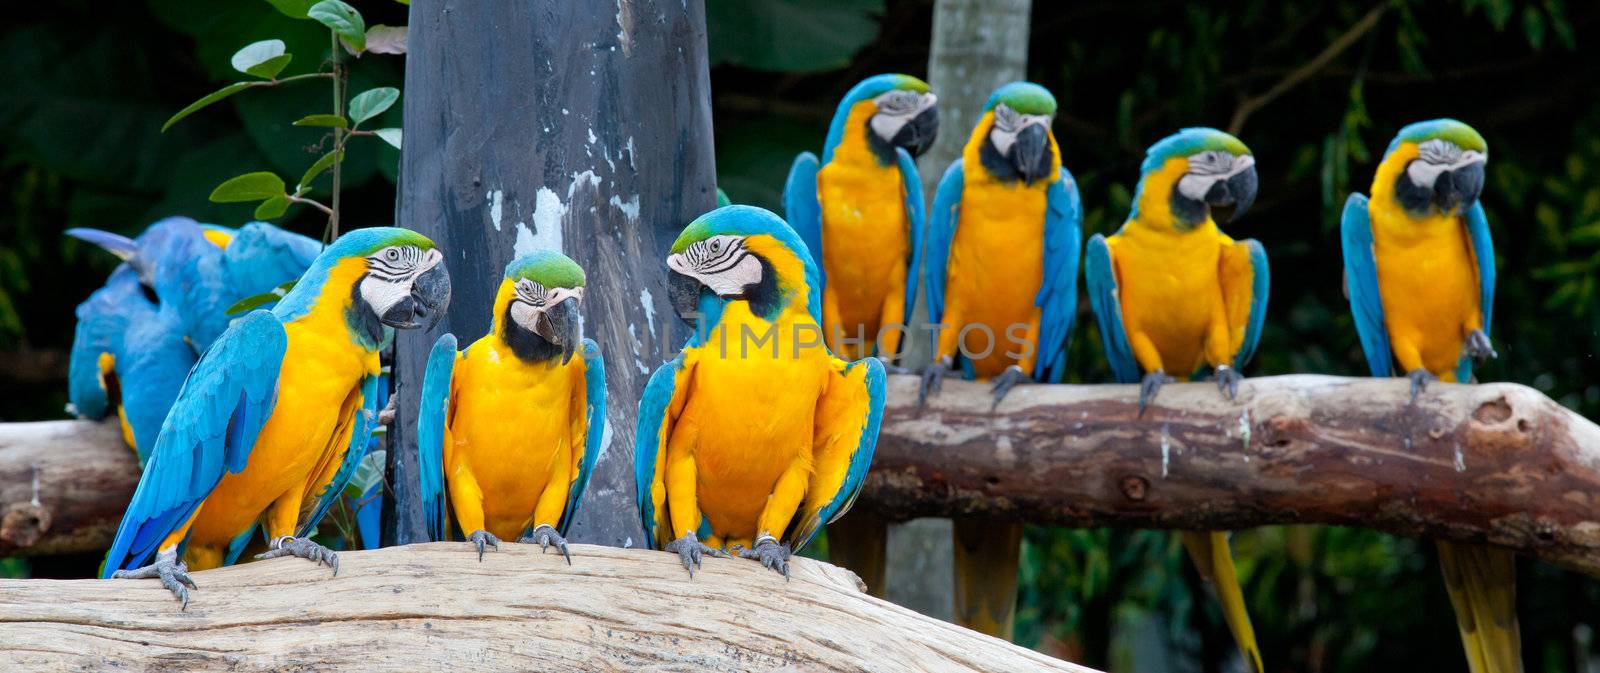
pixel 1412 198
pixel 882 149
pixel 1188 213
pixel 996 163
pixel 361 317
pixel 528 346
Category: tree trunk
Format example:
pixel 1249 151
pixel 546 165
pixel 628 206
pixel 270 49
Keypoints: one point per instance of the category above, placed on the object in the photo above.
pixel 556 126
pixel 63 486
pixel 414 609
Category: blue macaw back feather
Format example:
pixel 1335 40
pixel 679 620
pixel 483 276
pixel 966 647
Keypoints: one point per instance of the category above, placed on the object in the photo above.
pixel 802 210
pixel 941 232
pixel 369 517
pixel 917 217
pixel 433 413
pixel 1058 293
pixel 1361 283
pixel 261 257
pixel 153 362
pixel 103 318
pixel 210 432
pixel 1483 254
pixel 1106 300
pixel 594 387
pixel 653 405
pixel 361 425
pixel 860 459
pixel 1260 288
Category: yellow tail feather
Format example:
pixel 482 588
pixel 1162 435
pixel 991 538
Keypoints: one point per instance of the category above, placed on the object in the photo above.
pixel 1482 582
pixel 1211 555
pixel 986 554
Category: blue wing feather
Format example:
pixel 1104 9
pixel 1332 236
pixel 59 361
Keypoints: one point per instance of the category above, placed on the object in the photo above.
pixel 210 432
pixel 1260 289
pixel 361 426
pixel 432 414
pixel 102 320
pixel 860 458
pixel 917 217
pixel 1105 299
pixel 594 387
pixel 1483 254
pixel 802 210
pixel 653 408
pixel 261 257
pixel 1361 283
pixel 1058 293
pixel 941 231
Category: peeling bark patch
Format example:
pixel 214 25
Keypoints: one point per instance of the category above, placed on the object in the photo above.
pixel 1493 412
pixel 24 523
pixel 1135 487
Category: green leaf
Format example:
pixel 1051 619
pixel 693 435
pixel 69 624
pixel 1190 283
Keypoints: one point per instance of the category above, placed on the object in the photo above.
pixel 368 473
pixel 373 102
pixel 255 301
pixel 209 98
pixel 273 208
pixel 383 39
pixel 248 187
pixel 390 135
pixel 264 59
pixel 330 121
pixel 316 169
pixel 343 20
pixel 294 9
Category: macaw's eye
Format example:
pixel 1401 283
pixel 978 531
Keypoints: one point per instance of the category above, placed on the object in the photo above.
pixel 716 246
pixel 391 254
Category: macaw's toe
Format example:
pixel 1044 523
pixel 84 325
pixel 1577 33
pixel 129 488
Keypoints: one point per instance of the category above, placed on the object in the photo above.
pixel 1228 380
pixel 892 368
pixel 1420 378
pixel 173 575
pixel 1010 378
pixel 932 380
pixel 771 555
pixel 544 536
pixel 1479 348
pixel 304 548
pixel 690 550
pixel 481 539
pixel 1150 386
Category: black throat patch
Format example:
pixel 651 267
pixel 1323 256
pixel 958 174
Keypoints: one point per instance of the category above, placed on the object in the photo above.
pixel 1416 200
pixel 996 163
pixel 361 317
pixel 765 297
pixel 881 148
pixel 1188 213
pixel 528 347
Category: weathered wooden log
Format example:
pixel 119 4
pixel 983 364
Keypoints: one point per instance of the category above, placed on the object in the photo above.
pixel 63 485
pixel 1497 463
pixel 435 607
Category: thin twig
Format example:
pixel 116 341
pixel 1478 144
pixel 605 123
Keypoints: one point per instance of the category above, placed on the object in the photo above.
pixel 1249 105
pixel 311 202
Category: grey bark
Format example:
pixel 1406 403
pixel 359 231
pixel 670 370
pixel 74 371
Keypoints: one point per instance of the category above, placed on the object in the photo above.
pixel 555 125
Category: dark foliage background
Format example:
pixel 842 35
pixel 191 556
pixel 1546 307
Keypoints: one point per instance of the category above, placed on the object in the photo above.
pixel 87 85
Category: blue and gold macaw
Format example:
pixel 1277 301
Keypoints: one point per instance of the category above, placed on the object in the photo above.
pixel 1420 271
pixel 755 436
pixel 511 427
pixel 1171 292
pixel 269 426
pixel 1002 286
pixel 860 212
pixel 138 336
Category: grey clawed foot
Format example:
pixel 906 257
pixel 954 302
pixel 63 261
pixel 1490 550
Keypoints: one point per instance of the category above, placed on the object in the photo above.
pixel 544 536
pixel 772 555
pixel 482 538
pixel 690 551
pixel 1010 378
pixel 302 547
pixel 1228 380
pixel 1420 378
pixel 890 367
pixel 173 574
pixel 932 380
pixel 1479 348
pixel 1150 386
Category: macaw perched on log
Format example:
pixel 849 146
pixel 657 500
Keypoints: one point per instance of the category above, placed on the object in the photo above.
pixel 1171 292
pixel 755 436
pixel 512 426
pixel 138 336
pixel 1420 271
pixel 1002 286
pixel 270 424
pixel 860 212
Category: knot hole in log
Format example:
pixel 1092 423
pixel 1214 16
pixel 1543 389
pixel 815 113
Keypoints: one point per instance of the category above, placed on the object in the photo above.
pixel 1135 487
pixel 24 523
pixel 1493 412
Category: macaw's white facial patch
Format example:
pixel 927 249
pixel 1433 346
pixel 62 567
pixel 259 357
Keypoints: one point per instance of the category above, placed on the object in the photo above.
pixel 1437 156
pixel 896 108
pixel 391 272
pixel 1206 169
pixel 533 299
pixel 722 263
pixel 1008 123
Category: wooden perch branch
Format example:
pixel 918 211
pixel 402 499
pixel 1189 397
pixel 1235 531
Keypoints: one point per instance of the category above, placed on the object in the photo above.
pixel 1497 463
pixel 435 607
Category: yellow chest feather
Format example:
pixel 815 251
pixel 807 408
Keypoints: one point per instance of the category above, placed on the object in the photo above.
pixel 1428 281
pixel 1170 288
pixel 510 423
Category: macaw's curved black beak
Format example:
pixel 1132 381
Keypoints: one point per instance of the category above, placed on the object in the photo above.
pixel 1454 188
pixel 919 133
pixel 430 296
pixel 562 326
pixel 684 292
pixel 1230 199
pixel 1031 153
